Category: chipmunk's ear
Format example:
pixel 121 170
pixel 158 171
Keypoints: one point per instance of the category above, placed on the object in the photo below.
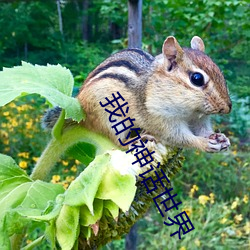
pixel 171 49
pixel 197 43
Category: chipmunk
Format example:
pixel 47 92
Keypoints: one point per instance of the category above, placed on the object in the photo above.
pixel 171 96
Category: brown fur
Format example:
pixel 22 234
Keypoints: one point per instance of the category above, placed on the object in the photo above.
pixel 159 94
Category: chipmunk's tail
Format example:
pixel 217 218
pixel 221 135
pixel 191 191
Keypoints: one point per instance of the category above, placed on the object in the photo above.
pixel 50 117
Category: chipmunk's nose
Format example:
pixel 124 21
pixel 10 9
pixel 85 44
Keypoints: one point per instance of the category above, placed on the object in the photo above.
pixel 226 109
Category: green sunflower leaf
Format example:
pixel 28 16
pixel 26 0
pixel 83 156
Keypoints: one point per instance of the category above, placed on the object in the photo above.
pixel 53 82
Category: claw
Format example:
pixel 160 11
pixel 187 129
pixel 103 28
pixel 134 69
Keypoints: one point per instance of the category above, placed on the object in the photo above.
pixel 218 142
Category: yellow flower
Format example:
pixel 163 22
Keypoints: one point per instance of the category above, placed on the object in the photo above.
pixel 238 218
pixel 224 164
pixel 14 123
pixel 23 107
pixel 188 210
pixel 245 199
pixel 203 199
pixel 6 113
pixel 24 154
pixel 19 108
pixel 35 159
pixel 211 195
pixel 4 134
pixel 223 220
pixel 70 178
pixel 235 203
pixel 6 141
pixel 23 164
pixel 182 248
pixel 12 105
pixel 234 152
pixel 77 162
pixel 55 178
pixel 20 154
pixel 29 124
pixel 197 242
pixel 247 228
pixel 6 149
pixel 73 168
pixel 65 163
pixel 192 190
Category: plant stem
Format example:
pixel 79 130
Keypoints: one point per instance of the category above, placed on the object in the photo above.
pixel 57 147
pixel 16 240
pixel 52 153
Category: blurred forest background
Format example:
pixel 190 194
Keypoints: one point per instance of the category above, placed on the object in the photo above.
pixel 79 34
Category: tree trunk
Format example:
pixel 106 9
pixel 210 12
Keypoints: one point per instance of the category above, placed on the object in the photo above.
pixel 59 16
pixel 135 23
pixel 134 41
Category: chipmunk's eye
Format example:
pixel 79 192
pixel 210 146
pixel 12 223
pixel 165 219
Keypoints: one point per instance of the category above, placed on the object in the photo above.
pixel 197 79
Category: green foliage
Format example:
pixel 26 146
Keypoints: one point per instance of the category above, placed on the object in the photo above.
pixel 230 180
pixel 19 127
pixel 102 176
pixel 19 198
pixel 222 24
pixel 83 152
pixel 52 82
pixel 81 58
pixel 36 28
pixel 24 200
pixel 238 121
pixel 214 190
pixel 218 225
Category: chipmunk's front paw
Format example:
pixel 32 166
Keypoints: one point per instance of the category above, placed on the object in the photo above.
pixel 217 142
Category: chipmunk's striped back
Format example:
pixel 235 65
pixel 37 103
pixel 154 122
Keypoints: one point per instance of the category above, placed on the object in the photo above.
pixel 123 66
pixel 127 72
